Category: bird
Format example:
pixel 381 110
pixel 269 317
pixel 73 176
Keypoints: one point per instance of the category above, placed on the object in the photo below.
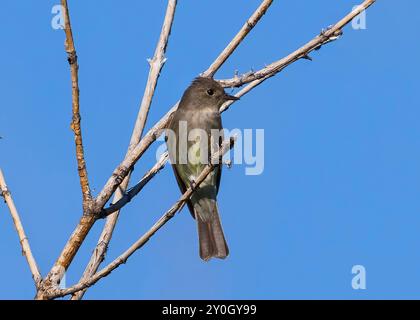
pixel 190 141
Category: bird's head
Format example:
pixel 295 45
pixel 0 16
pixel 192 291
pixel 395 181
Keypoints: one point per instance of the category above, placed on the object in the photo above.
pixel 206 92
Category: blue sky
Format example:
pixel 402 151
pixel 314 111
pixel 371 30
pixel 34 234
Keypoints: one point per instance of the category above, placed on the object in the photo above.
pixel 341 182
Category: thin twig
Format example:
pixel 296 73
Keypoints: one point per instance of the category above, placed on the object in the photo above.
pixel 326 36
pixel 130 194
pixel 240 36
pixel 86 222
pixel 156 65
pixel 98 255
pixel 26 249
pixel 76 120
pixel 226 145
pixel 131 158
pixel 52 280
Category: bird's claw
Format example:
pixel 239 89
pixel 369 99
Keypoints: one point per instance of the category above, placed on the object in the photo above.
pixel 193 184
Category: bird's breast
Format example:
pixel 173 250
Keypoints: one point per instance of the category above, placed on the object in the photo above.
pixel 205 119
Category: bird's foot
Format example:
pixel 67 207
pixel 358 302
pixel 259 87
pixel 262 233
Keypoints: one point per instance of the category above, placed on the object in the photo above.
pixel 193 185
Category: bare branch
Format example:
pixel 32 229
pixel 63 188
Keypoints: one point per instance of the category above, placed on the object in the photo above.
pixel 243 92
pixel 230 48
pixel 67 255
pixel 131 158
pixel 226 145
pixel 156 65
pixel 326 36
pixel 128 196
pixel 86 222
pixel 102 246
pixel 26 249
pixel 75 125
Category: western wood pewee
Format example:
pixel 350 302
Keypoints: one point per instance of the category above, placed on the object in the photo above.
pixel 192 136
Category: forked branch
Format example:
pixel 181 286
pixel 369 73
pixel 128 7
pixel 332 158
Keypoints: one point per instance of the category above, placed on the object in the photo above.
pixel 216 159
pixel 156 65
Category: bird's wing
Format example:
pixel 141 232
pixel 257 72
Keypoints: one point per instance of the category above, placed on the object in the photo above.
pixel 186 173
pixel 218 168
pixel 183 188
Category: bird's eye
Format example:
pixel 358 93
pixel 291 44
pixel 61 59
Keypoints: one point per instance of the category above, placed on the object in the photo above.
pixel 210 92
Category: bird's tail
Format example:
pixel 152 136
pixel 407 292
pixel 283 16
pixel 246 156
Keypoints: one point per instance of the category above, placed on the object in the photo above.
pixel 210 232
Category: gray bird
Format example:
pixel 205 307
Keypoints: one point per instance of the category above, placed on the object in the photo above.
pixel 193 124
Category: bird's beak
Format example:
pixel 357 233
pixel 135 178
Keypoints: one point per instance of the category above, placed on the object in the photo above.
pixel 229 97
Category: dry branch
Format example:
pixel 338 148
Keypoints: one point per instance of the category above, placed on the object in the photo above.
pixel 76 120
pixel 86 222
pixel 130 194
pixel 226 146
pixel 330 34
pixel 240 36
pixel 156 65
pixel 24 243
